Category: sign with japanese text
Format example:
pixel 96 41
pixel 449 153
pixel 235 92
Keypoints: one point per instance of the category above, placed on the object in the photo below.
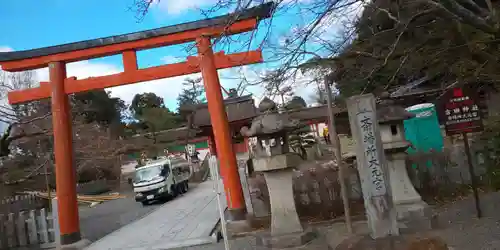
pixel 365 119
pixel 459 111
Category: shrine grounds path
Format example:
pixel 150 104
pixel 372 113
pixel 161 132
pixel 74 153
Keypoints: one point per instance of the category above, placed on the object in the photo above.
pixel 459 227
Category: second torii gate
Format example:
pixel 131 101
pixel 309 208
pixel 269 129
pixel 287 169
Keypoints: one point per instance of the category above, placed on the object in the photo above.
pixel 60 86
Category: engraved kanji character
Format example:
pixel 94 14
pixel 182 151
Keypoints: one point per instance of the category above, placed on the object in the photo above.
pixel 366 123
pixel 369 137
pixel 371 150
pixel 373 163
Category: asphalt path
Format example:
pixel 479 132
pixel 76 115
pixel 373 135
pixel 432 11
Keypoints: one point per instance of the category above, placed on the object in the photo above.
pixel 105 218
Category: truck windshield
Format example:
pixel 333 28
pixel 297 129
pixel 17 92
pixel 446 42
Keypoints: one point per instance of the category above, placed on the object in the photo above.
pixel 148 174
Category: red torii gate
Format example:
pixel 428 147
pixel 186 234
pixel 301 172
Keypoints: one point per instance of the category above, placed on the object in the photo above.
pixel 56 57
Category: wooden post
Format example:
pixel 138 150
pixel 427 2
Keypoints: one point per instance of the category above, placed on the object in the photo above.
pixel 69 223
pixel 221 130
pixel 334 138
pixel 472 175
pixel 372 166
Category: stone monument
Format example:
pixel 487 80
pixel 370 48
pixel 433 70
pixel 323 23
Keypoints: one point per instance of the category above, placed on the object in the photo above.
pixel 272 156
pixel 372 167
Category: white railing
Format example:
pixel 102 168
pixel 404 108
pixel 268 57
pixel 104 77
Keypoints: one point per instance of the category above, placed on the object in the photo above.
pixel 28 228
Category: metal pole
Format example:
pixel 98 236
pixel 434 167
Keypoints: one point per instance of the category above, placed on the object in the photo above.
pixel 338 154
pixel 472 175
pixel 214 172
pixel 47 186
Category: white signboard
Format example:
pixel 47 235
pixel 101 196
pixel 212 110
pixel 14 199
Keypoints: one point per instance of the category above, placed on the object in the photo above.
pixel 191 148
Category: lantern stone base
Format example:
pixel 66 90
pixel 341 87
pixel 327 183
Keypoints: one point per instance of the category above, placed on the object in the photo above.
pixel 291 241
pixel 416 217
pixel 411 209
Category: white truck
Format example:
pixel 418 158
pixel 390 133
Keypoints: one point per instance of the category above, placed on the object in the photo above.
pixel 161 179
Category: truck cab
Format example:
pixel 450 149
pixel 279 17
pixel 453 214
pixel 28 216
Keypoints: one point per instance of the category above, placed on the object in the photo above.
pixel 161 180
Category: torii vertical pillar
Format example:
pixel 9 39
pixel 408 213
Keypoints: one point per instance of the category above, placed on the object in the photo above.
pixel 220 126
pixel 69 224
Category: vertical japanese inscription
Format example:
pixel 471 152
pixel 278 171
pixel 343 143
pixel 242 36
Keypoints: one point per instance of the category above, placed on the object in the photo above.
pixel 372 159
pixel 371 166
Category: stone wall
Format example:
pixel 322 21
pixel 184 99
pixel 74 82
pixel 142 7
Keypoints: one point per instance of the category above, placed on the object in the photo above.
pixel 456 166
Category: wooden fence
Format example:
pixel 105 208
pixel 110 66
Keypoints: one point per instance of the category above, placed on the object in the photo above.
pixel 25 202
pixel 34 228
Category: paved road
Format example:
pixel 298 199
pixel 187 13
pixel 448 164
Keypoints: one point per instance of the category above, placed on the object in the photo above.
pixel 110 216
pixel 186 220
pixel 107 217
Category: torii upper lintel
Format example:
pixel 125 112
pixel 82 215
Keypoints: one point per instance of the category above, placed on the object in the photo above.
pixel 230 24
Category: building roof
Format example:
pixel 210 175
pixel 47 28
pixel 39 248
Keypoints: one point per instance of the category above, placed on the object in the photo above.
pixel 170 135
pixel 237 109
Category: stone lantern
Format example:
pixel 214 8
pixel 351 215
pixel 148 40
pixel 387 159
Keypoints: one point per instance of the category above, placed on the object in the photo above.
pixel 273 158
pixel 410 207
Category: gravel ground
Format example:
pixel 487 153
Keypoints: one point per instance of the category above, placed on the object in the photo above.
pixel 463 231
pixel 459 227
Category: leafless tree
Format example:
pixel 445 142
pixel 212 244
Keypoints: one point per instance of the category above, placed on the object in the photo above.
pixel 326 27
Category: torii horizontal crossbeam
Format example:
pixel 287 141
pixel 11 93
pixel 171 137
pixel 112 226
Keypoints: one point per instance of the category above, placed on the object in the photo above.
pixel 130 76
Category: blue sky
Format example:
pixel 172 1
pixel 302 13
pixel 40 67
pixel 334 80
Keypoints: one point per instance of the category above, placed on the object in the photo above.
pixel 28 24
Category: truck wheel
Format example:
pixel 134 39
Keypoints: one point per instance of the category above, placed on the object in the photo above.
pixel 181 188
pixel 186 187
pixel 174 191
pixel 145 203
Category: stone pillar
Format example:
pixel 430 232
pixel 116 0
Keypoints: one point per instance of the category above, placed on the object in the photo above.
pixel 403 190
pixel 278 173
pixel 372 166
pixel 284 216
